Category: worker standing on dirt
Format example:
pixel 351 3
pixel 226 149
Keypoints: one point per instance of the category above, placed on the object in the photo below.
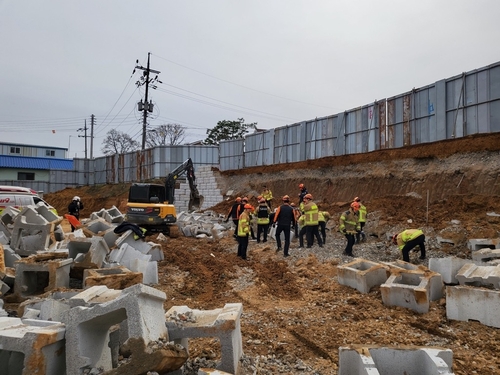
pixel 284 219
pixel 409 239
pixel 323 217
pixel 74 209
pixel 262 213
pixel 244 201
pixel 234 214
pixel 302 194
pixel 311 221
pixel 362 220
pixel 349 226
pixel 244 231
pixel 267 195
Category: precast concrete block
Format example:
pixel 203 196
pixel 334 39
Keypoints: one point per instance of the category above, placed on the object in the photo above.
pixel 94 250
pixel 101 228
pixel 474 275
pixel 471 303
pixel 183 323
pixel 373 360
pixel 89 328
pixel 485 255
pixel 448 267
pixel 412 289
pixel 36 277
pixel 362 274
pixel 148 269
pixel 4 240
pixel 149 248
pixel 96 226
pixel 117 277
pixel 31 347
pixel 10 256
pixel 28 237
pixel 49 215
pixel 482 243
pixel 115 215
pixel 4 288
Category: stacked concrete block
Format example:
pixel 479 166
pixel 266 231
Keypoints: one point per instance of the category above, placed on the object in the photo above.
pixel 36 277
pixel 371 360
pixel 486 255
pixel 7 221
pixel 362 274
pixel 470 303
pixel 31 347
pixel 114 278
pixel 448 267
pixel 473 275
pixel 136 261
pixel 183 323
pixel 413 289
pixel 102 228
pixel 88 329
pixel 209 186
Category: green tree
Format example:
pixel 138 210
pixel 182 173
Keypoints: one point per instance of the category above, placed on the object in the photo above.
pixel 226 130
pixel 117 142
pixel 165 135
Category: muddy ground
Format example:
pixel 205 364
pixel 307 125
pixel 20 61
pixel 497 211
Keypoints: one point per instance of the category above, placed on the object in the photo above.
pixel 295 314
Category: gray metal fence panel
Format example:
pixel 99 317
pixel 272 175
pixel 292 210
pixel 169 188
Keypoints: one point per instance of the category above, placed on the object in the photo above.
pixel 454 107
pixel 232 154
pixel 319 137
pixel 287 143
pixel 423 116
pixel 258 148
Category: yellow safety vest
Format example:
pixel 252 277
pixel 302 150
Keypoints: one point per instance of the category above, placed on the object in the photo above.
pixel 311 214
pixel 244 225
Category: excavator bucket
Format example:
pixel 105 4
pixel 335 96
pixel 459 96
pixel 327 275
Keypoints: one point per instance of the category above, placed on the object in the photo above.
pixel 195 203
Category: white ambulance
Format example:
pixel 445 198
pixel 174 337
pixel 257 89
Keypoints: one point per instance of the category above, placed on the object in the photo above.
pixel 19 197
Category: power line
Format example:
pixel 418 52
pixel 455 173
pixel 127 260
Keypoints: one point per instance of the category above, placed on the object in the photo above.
pixel 245 87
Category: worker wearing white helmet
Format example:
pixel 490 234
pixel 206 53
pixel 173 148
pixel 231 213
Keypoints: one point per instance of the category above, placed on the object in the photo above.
pixel 74 209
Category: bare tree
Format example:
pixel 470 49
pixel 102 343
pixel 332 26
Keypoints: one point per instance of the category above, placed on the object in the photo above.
pixel 117 142
pixel 165 135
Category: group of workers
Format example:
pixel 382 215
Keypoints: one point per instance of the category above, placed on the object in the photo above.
pixel 310 220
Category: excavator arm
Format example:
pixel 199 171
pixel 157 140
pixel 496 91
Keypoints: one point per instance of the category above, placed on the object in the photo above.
pixel 195 199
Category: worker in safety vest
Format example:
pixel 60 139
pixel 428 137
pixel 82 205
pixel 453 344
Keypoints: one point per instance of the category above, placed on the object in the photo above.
pixel 267 195
pixel 234 214
pixel 262 212
pixel 362 220
pixel 409 239
pixel 323 217
pixel 244 231
pixel 349 226
pixel 311 213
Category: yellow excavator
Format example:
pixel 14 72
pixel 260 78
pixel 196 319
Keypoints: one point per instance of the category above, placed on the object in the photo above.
pixel 151 206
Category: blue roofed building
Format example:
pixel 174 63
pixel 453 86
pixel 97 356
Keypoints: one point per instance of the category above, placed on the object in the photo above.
pixel 24 163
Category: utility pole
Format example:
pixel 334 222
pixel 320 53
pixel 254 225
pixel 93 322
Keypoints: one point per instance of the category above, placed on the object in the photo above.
pixel 146 107
pixel 92 120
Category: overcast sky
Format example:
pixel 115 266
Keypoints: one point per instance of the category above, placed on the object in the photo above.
pixel 271 62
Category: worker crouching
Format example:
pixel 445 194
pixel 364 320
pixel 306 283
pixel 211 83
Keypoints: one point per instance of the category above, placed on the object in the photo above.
pixel 409 239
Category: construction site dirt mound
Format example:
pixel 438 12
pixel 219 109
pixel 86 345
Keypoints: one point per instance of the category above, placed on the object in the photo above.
pixel 295 314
